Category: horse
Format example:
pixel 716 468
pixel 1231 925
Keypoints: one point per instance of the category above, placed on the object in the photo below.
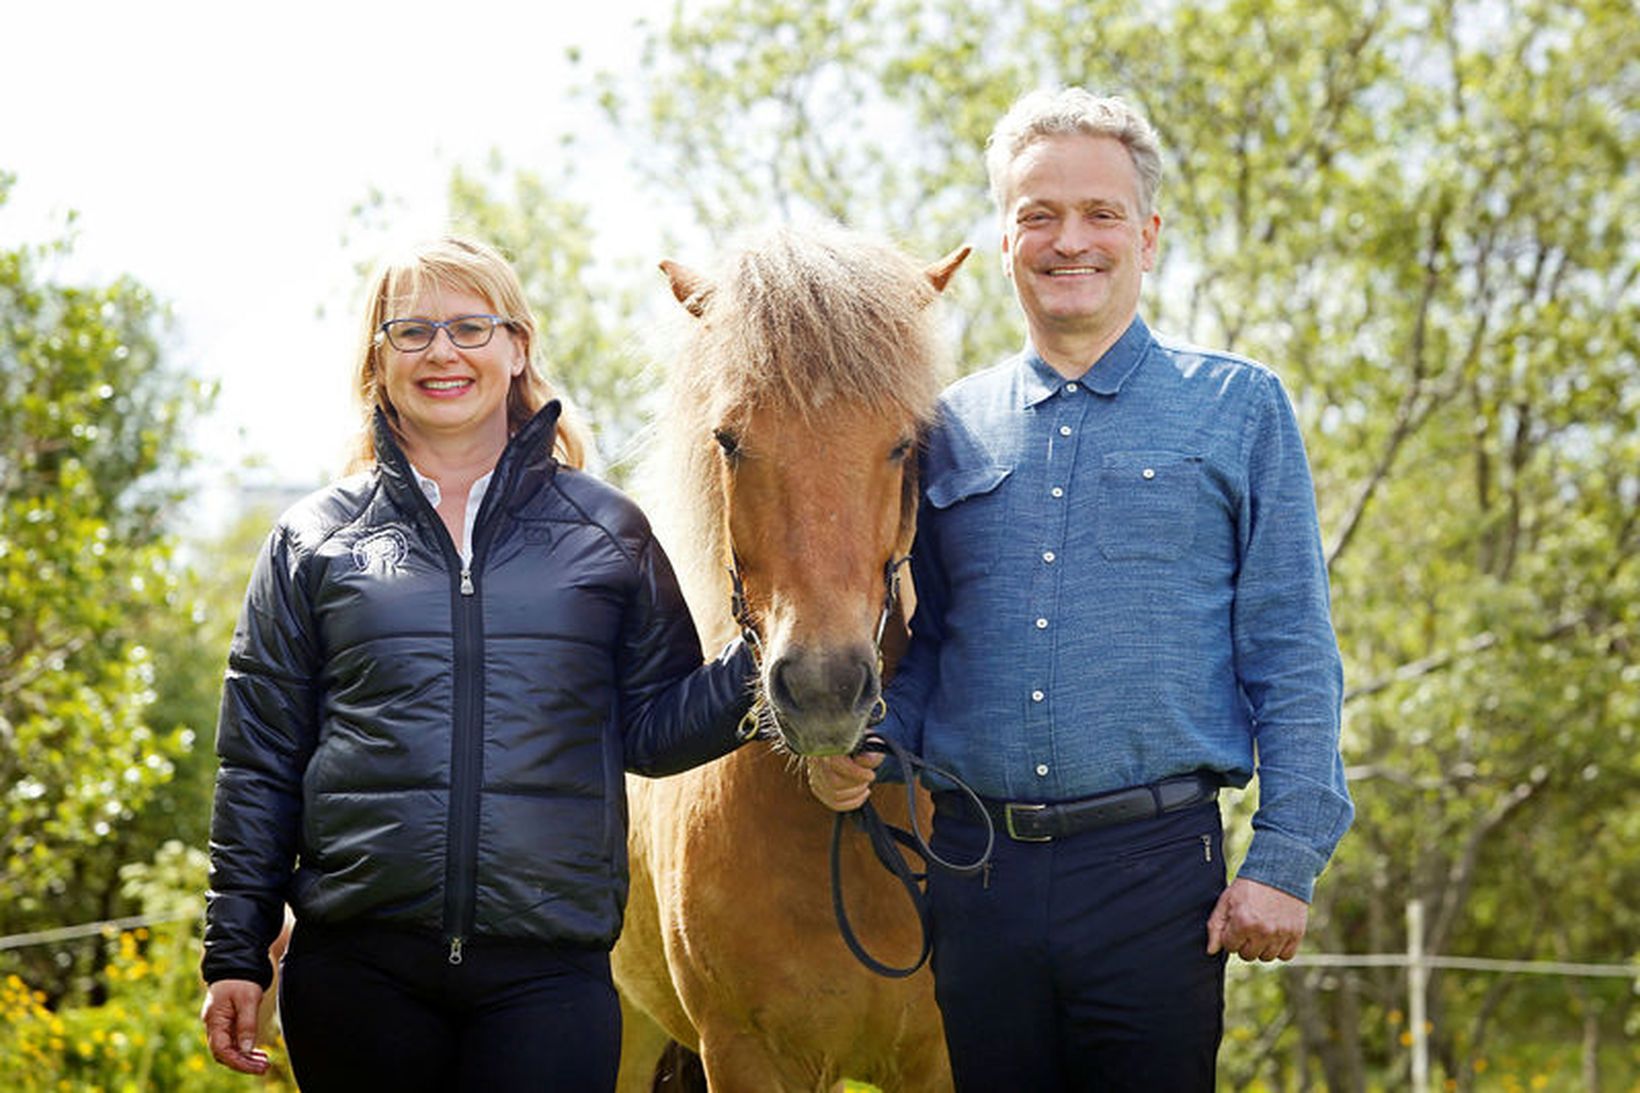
pixel 786 464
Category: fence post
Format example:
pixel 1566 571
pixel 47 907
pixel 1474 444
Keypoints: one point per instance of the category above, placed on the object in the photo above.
pixel 1417 986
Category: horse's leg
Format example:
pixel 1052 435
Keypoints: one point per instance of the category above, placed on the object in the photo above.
pixel 739 1062
pixel 642 1042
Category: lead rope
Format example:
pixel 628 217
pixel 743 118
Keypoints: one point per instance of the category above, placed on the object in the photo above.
pixel 884 837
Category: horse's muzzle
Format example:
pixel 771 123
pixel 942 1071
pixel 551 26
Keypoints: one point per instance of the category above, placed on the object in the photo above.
pixel 823 698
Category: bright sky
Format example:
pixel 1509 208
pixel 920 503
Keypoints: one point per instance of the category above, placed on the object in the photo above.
pixel 213 151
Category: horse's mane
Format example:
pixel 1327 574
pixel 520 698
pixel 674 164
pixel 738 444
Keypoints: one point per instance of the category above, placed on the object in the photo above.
pixel 807 321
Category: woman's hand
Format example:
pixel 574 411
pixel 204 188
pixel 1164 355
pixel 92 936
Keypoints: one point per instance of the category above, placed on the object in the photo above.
pixel 229 1015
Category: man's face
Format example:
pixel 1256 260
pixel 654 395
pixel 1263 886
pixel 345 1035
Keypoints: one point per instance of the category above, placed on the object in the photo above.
pixel 1075 241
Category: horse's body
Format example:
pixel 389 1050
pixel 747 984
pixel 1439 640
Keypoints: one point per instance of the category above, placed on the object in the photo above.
pixel 788 452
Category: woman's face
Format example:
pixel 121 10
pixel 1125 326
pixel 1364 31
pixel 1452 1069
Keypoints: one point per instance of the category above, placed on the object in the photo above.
pixel 444 393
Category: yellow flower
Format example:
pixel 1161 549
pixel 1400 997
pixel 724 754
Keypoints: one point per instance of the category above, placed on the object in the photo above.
pixel 1395 1017
pixel 1540 1081
pixel 196 1063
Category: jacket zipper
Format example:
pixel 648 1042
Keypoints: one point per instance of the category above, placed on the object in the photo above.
pixel 467 733
pixel 466 764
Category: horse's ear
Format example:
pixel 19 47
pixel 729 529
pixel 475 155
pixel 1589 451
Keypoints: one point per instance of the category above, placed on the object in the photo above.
pixel 939 274
pixel 692 289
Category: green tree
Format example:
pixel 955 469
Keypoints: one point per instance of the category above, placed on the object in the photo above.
pixel 1416 210
pixel 91 440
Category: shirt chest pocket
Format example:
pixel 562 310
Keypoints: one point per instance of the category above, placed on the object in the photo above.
pixel 973 518
pixel 1147 504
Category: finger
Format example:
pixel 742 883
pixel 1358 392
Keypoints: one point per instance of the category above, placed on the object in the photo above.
pixel 871 760
pixel 1218 924
pixel 245 1029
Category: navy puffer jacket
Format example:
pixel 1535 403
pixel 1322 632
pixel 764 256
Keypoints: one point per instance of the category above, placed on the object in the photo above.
pixel 409 742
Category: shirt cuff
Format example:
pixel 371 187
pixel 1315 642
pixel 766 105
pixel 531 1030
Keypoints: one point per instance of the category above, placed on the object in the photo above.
pixel 1282 862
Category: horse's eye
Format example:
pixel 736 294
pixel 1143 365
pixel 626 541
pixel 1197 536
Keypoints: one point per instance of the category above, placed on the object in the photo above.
pixel 901 450
pixel 727 441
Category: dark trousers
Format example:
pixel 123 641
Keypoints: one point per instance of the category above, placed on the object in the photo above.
pixel 1081 964
pixel 371 1008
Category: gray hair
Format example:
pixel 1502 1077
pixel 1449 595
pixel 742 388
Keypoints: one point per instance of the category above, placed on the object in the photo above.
pixel 1042 114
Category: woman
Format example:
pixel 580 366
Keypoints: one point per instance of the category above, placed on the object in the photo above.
pixel 445 665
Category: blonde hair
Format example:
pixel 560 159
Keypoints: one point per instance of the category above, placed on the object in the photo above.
pixel 1070 110
pixel 459 265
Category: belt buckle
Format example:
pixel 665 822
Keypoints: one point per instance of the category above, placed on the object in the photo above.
pixel 1008 811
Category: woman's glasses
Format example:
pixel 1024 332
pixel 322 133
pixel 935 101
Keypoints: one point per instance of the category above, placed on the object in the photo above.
pixel 465 331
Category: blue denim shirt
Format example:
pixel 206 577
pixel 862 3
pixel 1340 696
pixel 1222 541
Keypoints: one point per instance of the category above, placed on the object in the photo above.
pixel 1120 579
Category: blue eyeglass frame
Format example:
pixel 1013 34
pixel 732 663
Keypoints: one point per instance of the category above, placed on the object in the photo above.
pixel 444 325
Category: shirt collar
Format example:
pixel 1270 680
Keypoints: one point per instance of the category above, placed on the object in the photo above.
pixel 475 493
pixel 1040 380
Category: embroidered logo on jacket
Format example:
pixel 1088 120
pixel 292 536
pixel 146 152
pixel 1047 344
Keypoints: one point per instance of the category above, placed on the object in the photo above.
pixel 382 552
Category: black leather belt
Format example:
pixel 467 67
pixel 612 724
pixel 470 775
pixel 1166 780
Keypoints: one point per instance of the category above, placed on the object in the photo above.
pixel 1040 823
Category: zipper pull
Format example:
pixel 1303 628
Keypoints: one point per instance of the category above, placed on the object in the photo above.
pixel 466 585
pixel 455 950
pixel 1207 848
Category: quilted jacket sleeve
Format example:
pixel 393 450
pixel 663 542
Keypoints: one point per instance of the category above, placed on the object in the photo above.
pixel 676 712
pixel 266 732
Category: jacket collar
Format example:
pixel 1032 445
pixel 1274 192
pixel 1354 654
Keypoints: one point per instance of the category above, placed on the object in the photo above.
pixel 525 464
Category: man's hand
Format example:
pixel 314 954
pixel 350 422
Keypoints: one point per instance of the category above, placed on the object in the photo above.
pixel 842 782
pixel 1257 922
pixel 229 1015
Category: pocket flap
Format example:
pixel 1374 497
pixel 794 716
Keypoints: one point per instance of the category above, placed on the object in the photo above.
pixel 956 485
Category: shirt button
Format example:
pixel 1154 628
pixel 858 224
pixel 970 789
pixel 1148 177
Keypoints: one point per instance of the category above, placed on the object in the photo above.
pixel 1149 472
pixel 1057 492
pixel 1064 430
pixel 1041 624
pixel 1048 556
pixel 1070 387
pixel 1042 770
pixel 1037 696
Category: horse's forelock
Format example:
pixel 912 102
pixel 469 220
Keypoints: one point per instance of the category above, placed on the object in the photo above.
pixel 803 318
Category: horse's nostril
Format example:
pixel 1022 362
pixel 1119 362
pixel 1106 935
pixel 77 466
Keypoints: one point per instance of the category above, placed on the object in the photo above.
pixel 780 688
pixel 823 685
pixel 865 690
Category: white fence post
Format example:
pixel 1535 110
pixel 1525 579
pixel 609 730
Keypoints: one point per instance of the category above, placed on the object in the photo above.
pixel 1417 985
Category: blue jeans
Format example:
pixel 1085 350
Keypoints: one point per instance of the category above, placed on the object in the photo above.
pixel 375 1008
pixel 1081 964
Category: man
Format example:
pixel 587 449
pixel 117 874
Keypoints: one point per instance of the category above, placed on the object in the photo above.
pixel 1122 606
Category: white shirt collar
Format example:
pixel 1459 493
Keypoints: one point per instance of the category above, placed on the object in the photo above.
pixel 475 498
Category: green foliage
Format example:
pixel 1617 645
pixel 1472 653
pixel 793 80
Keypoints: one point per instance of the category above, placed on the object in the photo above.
pixel 1417 211
pixel 145 1034
pixel 91 426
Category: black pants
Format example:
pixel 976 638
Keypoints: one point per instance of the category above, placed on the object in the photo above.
pixel 1082 964
pixel 369 1008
